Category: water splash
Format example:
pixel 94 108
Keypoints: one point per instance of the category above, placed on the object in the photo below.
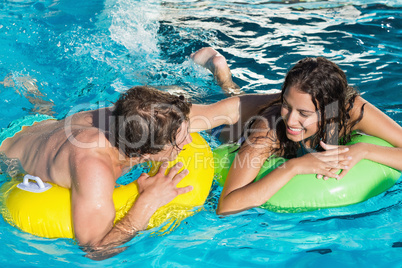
pixel 135 26
pixel 11 167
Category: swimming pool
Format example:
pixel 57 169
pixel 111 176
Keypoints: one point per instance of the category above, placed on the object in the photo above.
pixel 70 56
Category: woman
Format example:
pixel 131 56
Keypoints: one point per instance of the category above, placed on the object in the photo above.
pixel 315 109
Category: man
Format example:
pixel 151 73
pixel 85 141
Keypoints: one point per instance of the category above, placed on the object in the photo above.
pixel 88 151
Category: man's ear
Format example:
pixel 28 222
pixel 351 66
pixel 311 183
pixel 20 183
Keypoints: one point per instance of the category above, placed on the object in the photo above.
pixel 145 157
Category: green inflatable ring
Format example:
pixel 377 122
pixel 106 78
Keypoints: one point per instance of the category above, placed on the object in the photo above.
pixel 305 192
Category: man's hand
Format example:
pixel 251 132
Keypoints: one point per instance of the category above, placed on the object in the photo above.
pixel 161 189
pixel 154 192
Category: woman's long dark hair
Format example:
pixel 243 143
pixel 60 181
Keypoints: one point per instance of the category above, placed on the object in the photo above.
pixel 332 97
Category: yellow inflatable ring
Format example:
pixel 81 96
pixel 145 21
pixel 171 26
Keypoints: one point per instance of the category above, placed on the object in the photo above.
pixel 48 214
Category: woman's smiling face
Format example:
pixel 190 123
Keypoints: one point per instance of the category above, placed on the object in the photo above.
pixel 299 114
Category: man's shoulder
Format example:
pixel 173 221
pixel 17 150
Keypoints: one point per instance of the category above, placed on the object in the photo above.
pixel 87 137
pixel 90 144
pixel 90 118
pixel 93 155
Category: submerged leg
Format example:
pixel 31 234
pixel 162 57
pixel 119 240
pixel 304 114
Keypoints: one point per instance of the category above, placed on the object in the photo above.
pixel 30 90
pixel 216 63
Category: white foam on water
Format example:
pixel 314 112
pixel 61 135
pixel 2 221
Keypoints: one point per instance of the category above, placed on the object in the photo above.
pixel 135 26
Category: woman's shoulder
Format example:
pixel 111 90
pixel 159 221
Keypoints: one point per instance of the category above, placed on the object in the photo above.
pixel 356 110
pixel 359 101
pixel 262 134
pixel 268 118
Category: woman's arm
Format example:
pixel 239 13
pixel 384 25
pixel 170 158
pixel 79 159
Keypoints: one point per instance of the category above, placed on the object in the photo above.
pixel 376 123
pixel 240 192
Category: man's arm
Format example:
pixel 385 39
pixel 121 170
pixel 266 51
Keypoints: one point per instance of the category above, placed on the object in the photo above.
pixel 234 112
pixel 224 112
pixel 93 209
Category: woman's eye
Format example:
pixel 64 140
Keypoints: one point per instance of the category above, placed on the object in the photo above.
pixel 304 115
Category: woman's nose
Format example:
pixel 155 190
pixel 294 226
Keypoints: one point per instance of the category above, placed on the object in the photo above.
pixel 292 118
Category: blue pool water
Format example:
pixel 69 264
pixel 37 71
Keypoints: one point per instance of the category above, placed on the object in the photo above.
pixel 73 55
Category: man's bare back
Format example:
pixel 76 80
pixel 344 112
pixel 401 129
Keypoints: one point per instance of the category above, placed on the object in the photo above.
pixel 46 147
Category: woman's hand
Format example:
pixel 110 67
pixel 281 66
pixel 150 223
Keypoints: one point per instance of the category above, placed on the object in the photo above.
pixel 326 164
pixel 355 153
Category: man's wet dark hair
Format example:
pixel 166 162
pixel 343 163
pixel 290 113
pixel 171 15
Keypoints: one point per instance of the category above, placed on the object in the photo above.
pixel 147 119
